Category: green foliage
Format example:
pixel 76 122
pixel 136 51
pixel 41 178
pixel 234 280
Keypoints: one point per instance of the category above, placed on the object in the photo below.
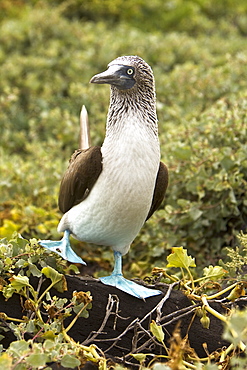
pixel 236 327
pixel 205 289
pixel 205 204
pixel 46 313
pixel 47 58
pixel 237 258
pixel 192 16
pixel 235 332
pixel 197 49
pixel 179 258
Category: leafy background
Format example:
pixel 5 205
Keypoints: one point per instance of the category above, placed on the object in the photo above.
pixel 49 51
pixel 197 49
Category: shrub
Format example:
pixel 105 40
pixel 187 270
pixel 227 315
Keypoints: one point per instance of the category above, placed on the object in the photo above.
pixel 47 61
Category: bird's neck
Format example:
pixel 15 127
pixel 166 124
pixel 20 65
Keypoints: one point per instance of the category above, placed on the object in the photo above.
pixel 139 107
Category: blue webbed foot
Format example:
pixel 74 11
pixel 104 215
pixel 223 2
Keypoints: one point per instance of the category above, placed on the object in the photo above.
pixel 63 248
pixel 129 286
pixel 117 280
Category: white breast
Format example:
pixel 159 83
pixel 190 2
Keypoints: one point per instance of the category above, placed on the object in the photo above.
pixel 119 202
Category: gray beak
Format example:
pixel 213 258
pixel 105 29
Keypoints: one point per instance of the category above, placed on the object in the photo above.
pixel 110 76
pixel 115 75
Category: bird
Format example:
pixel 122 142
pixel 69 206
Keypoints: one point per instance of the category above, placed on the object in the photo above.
pixel 108 192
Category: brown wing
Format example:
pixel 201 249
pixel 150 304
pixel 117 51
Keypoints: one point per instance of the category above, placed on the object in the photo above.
pixel 160 189
pixel 83 171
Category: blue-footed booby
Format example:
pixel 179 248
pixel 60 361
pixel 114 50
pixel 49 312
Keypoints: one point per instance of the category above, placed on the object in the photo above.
pixel 108 192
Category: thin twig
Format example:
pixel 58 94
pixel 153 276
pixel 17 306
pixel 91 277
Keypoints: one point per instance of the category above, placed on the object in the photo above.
pixel 109 307
pixel 179 317
pixel 116 339
pixel 187 310
pixel 159 306
pixel 137 323
pixel 151 339
pixel 161 303
pixel 116 313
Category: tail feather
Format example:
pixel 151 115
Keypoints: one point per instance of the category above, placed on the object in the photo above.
pixel 85 139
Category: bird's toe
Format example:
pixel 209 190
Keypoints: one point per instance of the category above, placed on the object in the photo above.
pixel 129 286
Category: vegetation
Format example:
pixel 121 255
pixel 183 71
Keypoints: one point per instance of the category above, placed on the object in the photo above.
pixel 42 337
pixel 197 49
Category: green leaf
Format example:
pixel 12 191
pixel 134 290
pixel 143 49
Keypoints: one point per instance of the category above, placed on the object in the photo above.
pixel 213 273
pixel 237 292
pixel 70 361
pixel 30 328
pixel 57 279
pixel 195 213
pixel 61 286
pixel 141 357
pixel 8 261
pixel 52 274
pixel 5 361
pixel 183 153
pixel 180 258
pixel 19 347
pixel 37 359
pixel 49 335
pixel 212 367
pixel 48 344
pixel 34 270
pixel 19 282
pixel 8 228
pixel 160 366
pixel 21 263
pixel 73 268
pixel 235 328
pixel 157 331
pixel 78 307
pixel 8 291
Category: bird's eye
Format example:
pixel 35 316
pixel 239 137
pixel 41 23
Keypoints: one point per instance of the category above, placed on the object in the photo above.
pixel 130 71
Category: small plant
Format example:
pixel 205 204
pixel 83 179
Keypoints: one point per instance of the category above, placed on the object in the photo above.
pixel 212 286
pixel 25 265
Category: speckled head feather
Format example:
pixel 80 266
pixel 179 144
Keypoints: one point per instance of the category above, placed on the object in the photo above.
pixel 134 61
pixel 140 96
pixel 143 74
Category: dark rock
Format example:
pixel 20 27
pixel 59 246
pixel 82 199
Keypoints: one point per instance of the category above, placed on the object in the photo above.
pixel 126 320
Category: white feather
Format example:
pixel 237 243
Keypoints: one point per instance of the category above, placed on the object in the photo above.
pixel 119 202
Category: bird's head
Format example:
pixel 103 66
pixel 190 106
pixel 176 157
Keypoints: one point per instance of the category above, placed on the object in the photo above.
pixel 125 73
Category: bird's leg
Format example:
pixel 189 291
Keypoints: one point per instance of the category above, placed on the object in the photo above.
pixel 63 248
pixel 117 280
pixel 117 264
